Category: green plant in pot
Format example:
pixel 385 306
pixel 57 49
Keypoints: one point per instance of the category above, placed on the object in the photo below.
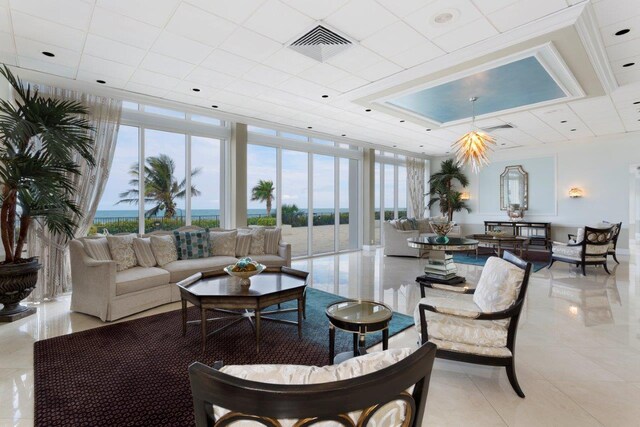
pixel 443 190
pixel 42 142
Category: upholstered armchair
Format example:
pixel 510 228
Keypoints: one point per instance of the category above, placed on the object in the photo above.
pixel 478 324
pixel 590 247
pixel 611 250
pixel 382 388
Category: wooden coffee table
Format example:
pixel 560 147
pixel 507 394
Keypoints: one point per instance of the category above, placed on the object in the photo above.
pixel 219 292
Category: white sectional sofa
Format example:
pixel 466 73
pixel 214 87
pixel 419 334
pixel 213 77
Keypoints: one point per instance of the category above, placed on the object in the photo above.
pixel 102 291
pixel 396 232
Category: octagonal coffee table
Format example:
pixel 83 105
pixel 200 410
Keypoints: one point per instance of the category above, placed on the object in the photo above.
pixel 219 292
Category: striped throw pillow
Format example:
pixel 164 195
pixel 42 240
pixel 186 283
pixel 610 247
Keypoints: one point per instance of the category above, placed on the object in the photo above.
pixel 193 244
pixel 272 240
pixel 144 254
pixel 97 249
pixel 243 243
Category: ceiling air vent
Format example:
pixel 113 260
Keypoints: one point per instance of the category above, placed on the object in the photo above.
pixel 320 44
pixel 500 127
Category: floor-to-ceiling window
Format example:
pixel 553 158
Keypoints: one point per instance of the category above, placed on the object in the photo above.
pixel 206 157
pixel 117 211
pixel 323 204
pixel 295 200
pixel 176 158
pixel 318 183
pixel 165 180
pixel 261 185
pixel 391 197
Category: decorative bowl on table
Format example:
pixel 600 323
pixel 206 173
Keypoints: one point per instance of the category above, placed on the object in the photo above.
pixel 441 226
pixel 245 269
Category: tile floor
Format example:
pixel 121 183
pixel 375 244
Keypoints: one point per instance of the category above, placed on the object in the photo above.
pixel 578 349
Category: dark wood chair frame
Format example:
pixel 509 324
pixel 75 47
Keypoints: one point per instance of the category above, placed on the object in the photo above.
pixel 512 313
pixel 616 234
pixel 312 403
pixel 584 244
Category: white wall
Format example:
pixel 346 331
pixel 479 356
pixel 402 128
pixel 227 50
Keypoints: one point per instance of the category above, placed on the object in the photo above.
pixel 5 89
pixel 600 166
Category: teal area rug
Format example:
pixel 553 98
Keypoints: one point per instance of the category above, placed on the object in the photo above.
pixel 463 258
pixel 317 302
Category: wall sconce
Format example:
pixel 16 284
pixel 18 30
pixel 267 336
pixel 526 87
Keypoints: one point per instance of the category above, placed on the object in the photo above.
pixel 465 195
pixel 576 192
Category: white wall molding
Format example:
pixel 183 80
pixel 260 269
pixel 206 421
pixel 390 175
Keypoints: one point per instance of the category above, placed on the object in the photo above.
pixel 587 28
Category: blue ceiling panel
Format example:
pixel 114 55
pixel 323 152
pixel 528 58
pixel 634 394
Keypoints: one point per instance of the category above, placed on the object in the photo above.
pixel 520 83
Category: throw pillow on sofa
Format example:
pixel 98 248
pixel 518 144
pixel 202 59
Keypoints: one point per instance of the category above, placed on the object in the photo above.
pixel 164 249
pixel 97 249
pixel 257 240
pixel 121 248
pixel 193 244
pixel 243 243
pixel 223 243
pixel 272 240
pixel 144 253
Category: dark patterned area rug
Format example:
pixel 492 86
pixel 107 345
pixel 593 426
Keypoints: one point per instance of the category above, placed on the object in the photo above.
pixel 135 373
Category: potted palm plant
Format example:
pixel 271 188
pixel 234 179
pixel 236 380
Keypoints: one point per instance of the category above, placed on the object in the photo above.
pixel 41 142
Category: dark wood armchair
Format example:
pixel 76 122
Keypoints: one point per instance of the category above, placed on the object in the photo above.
pixel 614 242
pixel 467 329
pixel 590 249
pixel 267 403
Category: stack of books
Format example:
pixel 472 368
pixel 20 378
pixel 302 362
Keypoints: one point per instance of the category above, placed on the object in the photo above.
pixel 440 265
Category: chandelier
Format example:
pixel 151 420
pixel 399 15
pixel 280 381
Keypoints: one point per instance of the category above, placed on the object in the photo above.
pixel 473 146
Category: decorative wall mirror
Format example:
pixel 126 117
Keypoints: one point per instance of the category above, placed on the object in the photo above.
pixel 514 189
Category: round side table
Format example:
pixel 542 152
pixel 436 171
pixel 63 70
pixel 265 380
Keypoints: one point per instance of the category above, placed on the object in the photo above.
pixel 360 318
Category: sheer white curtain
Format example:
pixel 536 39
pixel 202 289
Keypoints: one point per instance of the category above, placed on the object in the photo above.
pixel 51 249
pixel 416 186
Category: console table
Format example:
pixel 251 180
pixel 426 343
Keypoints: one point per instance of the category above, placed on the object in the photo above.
pixel 538 233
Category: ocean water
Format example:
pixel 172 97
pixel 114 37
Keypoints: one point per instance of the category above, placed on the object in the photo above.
pixel 129 213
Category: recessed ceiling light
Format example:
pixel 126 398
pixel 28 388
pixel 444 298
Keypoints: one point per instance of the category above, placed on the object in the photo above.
pixel 368 110
pixel 636 103
pixel 573 130
pixel 344 134
pixel 100 81
pixel 401 121
pixel 428 130
pixel 195 89
pixel 629 64
pixel 325 96
pixel 504 143
pixel 421 146
pixel 309 127
pixel 49 54
pixel 214 106
pixel 622 32
pixel 394 146
pixel 563 121
pixel 446 16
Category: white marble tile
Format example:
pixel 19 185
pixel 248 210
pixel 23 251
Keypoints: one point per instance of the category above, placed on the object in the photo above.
pixel 576 366
pixel 613 404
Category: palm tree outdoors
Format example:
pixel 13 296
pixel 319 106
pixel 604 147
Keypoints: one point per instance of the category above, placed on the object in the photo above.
pixel 263 192
pixel 443 190
pixel 161 188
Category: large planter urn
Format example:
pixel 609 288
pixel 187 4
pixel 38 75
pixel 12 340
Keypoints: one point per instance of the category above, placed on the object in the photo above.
pixel 17 280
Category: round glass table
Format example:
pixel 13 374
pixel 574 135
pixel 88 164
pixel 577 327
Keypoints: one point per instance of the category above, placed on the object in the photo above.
pixel 360 318
pixel 440 267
